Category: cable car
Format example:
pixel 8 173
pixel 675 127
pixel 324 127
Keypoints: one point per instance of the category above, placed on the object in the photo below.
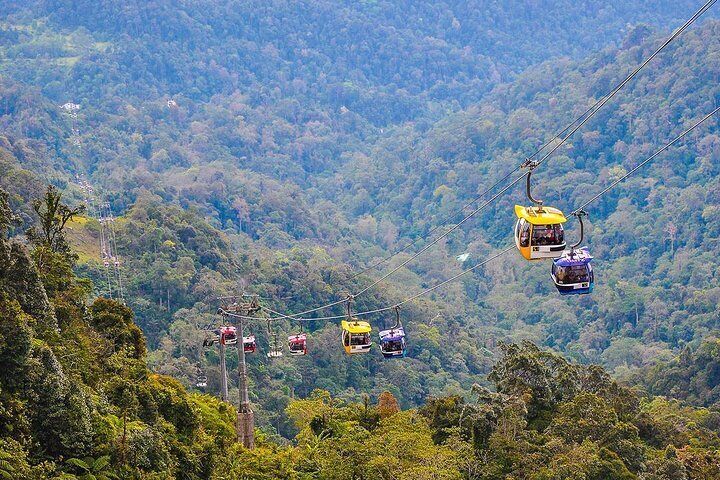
pixel 392 341
pixel 572 273
pixel 228 335
pixel 355 333
pixel 249 344
pixel 276 350
pixel 297 344
pixel 201 381
pixel 538 230
pixel 356 336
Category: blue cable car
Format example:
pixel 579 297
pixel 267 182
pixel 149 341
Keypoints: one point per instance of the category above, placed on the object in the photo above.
pixel 392 341
pixel 572 272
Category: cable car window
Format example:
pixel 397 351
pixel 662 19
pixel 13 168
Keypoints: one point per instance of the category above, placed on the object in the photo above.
pixel 524 227
pixel 578 274
pixel 360 339
pixel 560 274
pixel 547 234
pixel 393 346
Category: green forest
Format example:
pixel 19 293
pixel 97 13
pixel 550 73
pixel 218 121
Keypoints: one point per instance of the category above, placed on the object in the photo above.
pixel 283 149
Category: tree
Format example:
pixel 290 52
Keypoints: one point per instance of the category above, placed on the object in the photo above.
pixel 387 405
pixel 541 378
pixel 53 215
pixel 15 342
pixel 14 463
pixel 7 216
pixel 587 416
pixel 92 468
pixel 114 321
pixel 585 461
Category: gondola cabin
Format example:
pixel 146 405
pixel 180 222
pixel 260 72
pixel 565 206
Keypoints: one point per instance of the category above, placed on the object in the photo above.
pixel 201 381
pixel 249 344
pixel 228 335
pixel 392 343
pixel 297 344
pixel 539 232
pixel 275 351
pixel 573 273
pixel 356 336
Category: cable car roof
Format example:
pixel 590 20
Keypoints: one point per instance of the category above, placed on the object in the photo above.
pixel 580 257
pixel 356 326
pixel 548 216
pixel 392 335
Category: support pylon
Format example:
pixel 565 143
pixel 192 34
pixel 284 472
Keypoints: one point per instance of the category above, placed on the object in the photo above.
pixel 245 425
pixel 223 372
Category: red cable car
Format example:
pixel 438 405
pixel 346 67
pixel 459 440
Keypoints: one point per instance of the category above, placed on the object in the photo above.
pixel 249 344
pixel 228 335
pixel 297 344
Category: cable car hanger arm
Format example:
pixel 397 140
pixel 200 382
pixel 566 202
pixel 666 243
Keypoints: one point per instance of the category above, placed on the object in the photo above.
pixel 539 203
pixel 579 214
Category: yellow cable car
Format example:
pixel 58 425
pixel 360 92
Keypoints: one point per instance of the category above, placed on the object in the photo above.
pixel 538 230
pixel 356 336
pixel 355 333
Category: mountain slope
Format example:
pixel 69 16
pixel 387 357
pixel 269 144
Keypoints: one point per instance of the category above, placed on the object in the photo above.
pixel 270 185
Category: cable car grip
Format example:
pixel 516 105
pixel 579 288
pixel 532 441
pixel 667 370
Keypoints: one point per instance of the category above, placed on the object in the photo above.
pixel 579 215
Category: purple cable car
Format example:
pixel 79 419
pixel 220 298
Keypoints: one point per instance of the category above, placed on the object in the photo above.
pixel 392 342
pixel 572 272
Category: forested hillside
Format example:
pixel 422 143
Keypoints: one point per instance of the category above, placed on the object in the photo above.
pixel 77 401
pixel 76 395
pixel 278 148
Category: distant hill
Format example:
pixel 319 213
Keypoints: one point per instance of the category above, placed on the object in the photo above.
pixel 382 59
